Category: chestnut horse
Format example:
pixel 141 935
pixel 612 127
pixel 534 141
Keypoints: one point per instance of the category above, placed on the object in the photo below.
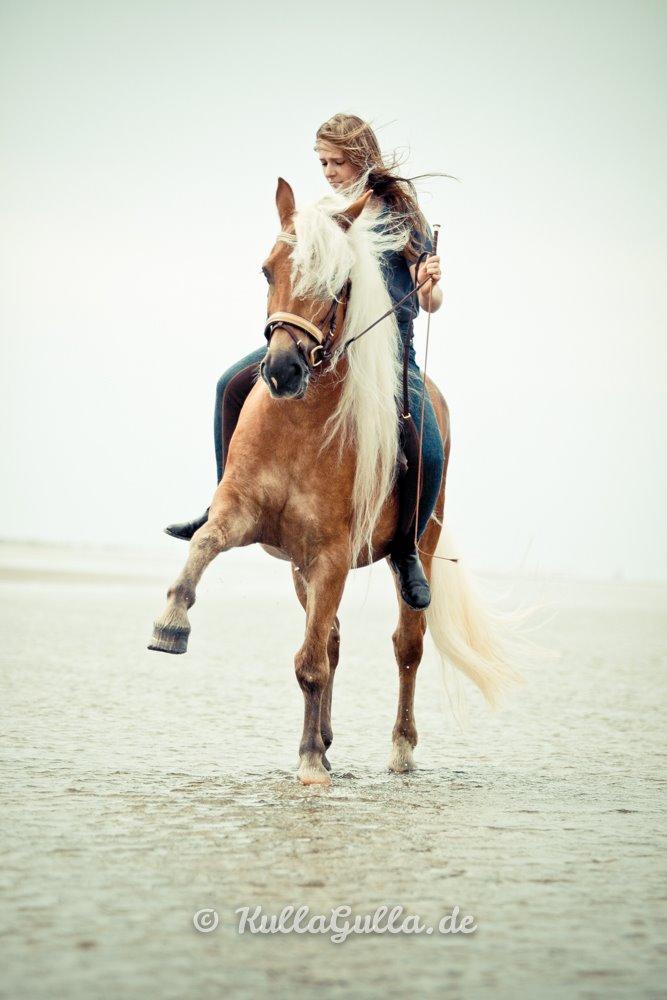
pixel 311 469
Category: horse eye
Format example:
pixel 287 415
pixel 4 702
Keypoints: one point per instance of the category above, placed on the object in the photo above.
pixel 267 275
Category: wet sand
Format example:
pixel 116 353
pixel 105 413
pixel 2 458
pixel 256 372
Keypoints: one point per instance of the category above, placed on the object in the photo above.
pixel 139 788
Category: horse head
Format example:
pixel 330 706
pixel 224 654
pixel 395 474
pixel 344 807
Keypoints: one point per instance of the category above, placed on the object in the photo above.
pixel 303 319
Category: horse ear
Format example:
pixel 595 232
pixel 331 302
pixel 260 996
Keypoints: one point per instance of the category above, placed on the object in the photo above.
pixel 285 202
pixel 346 218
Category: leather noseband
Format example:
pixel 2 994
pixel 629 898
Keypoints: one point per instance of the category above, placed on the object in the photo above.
pixel 294 324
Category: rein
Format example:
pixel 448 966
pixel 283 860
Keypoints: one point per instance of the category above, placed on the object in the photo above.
pixel 395 306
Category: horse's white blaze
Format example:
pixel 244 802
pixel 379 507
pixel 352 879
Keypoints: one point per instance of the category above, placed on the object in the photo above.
pixel 323 258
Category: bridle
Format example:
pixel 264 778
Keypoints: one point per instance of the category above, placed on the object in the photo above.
pixel 293 324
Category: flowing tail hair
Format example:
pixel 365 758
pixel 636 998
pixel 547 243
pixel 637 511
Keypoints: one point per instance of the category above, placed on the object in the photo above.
pixel 482 643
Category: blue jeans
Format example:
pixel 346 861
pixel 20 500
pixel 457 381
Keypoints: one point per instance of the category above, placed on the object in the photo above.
pixel 433 455
pixel 250 359
pixel 432 448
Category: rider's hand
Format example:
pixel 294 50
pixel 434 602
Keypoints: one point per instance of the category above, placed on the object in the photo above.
pixel 430 268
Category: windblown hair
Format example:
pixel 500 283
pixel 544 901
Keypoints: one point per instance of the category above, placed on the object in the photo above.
pixel 324 256
pixel 378 171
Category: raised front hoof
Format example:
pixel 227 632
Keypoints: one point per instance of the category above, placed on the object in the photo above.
pixel 169 640
pixel 402 759
pixel 313 773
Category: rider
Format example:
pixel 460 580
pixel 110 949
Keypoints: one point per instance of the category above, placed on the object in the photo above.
pixel 347 148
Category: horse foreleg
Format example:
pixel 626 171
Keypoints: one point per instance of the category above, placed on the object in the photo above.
pixel 225 528
pixel 333 652
pixel 314 668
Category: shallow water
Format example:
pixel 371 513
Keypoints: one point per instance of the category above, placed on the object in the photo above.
pixel 139 788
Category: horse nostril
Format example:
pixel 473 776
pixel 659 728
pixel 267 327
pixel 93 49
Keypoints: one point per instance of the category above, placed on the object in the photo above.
pixel 283 375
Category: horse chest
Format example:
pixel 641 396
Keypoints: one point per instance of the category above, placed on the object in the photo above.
pixel 299 491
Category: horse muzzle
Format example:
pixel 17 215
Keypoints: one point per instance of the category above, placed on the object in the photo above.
pixel 285 374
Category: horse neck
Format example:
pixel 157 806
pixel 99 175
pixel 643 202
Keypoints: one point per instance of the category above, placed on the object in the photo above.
pixel 324 391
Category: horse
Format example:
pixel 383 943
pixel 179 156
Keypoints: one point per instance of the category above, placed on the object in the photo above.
pixel 311 471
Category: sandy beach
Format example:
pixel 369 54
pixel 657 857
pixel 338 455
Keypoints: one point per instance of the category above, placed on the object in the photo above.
pixel 128 806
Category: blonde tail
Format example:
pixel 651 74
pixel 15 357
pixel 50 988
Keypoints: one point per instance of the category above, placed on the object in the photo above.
pixel 480 642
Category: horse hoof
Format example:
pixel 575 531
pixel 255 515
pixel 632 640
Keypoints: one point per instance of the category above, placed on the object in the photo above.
pixel 168 639
pixel 402 760
pixel 326 762
pixel 313 774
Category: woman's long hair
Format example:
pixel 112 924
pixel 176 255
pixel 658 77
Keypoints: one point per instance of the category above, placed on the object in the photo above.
pixel 359 143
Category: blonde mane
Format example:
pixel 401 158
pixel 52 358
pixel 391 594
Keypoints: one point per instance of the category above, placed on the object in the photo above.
pixel 324 256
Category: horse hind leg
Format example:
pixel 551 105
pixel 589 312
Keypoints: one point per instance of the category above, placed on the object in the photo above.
pixel 333 654
pixel 408 638
pixel 408 642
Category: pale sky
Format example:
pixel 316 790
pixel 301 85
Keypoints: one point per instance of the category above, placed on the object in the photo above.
pixel 141 143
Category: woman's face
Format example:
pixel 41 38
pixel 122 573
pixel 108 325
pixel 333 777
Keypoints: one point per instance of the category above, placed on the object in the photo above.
pixel 335 166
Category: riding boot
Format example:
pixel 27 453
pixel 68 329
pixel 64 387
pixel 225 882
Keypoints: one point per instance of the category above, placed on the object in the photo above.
pixel 403 555
pixel 186 529
pixel 228 408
